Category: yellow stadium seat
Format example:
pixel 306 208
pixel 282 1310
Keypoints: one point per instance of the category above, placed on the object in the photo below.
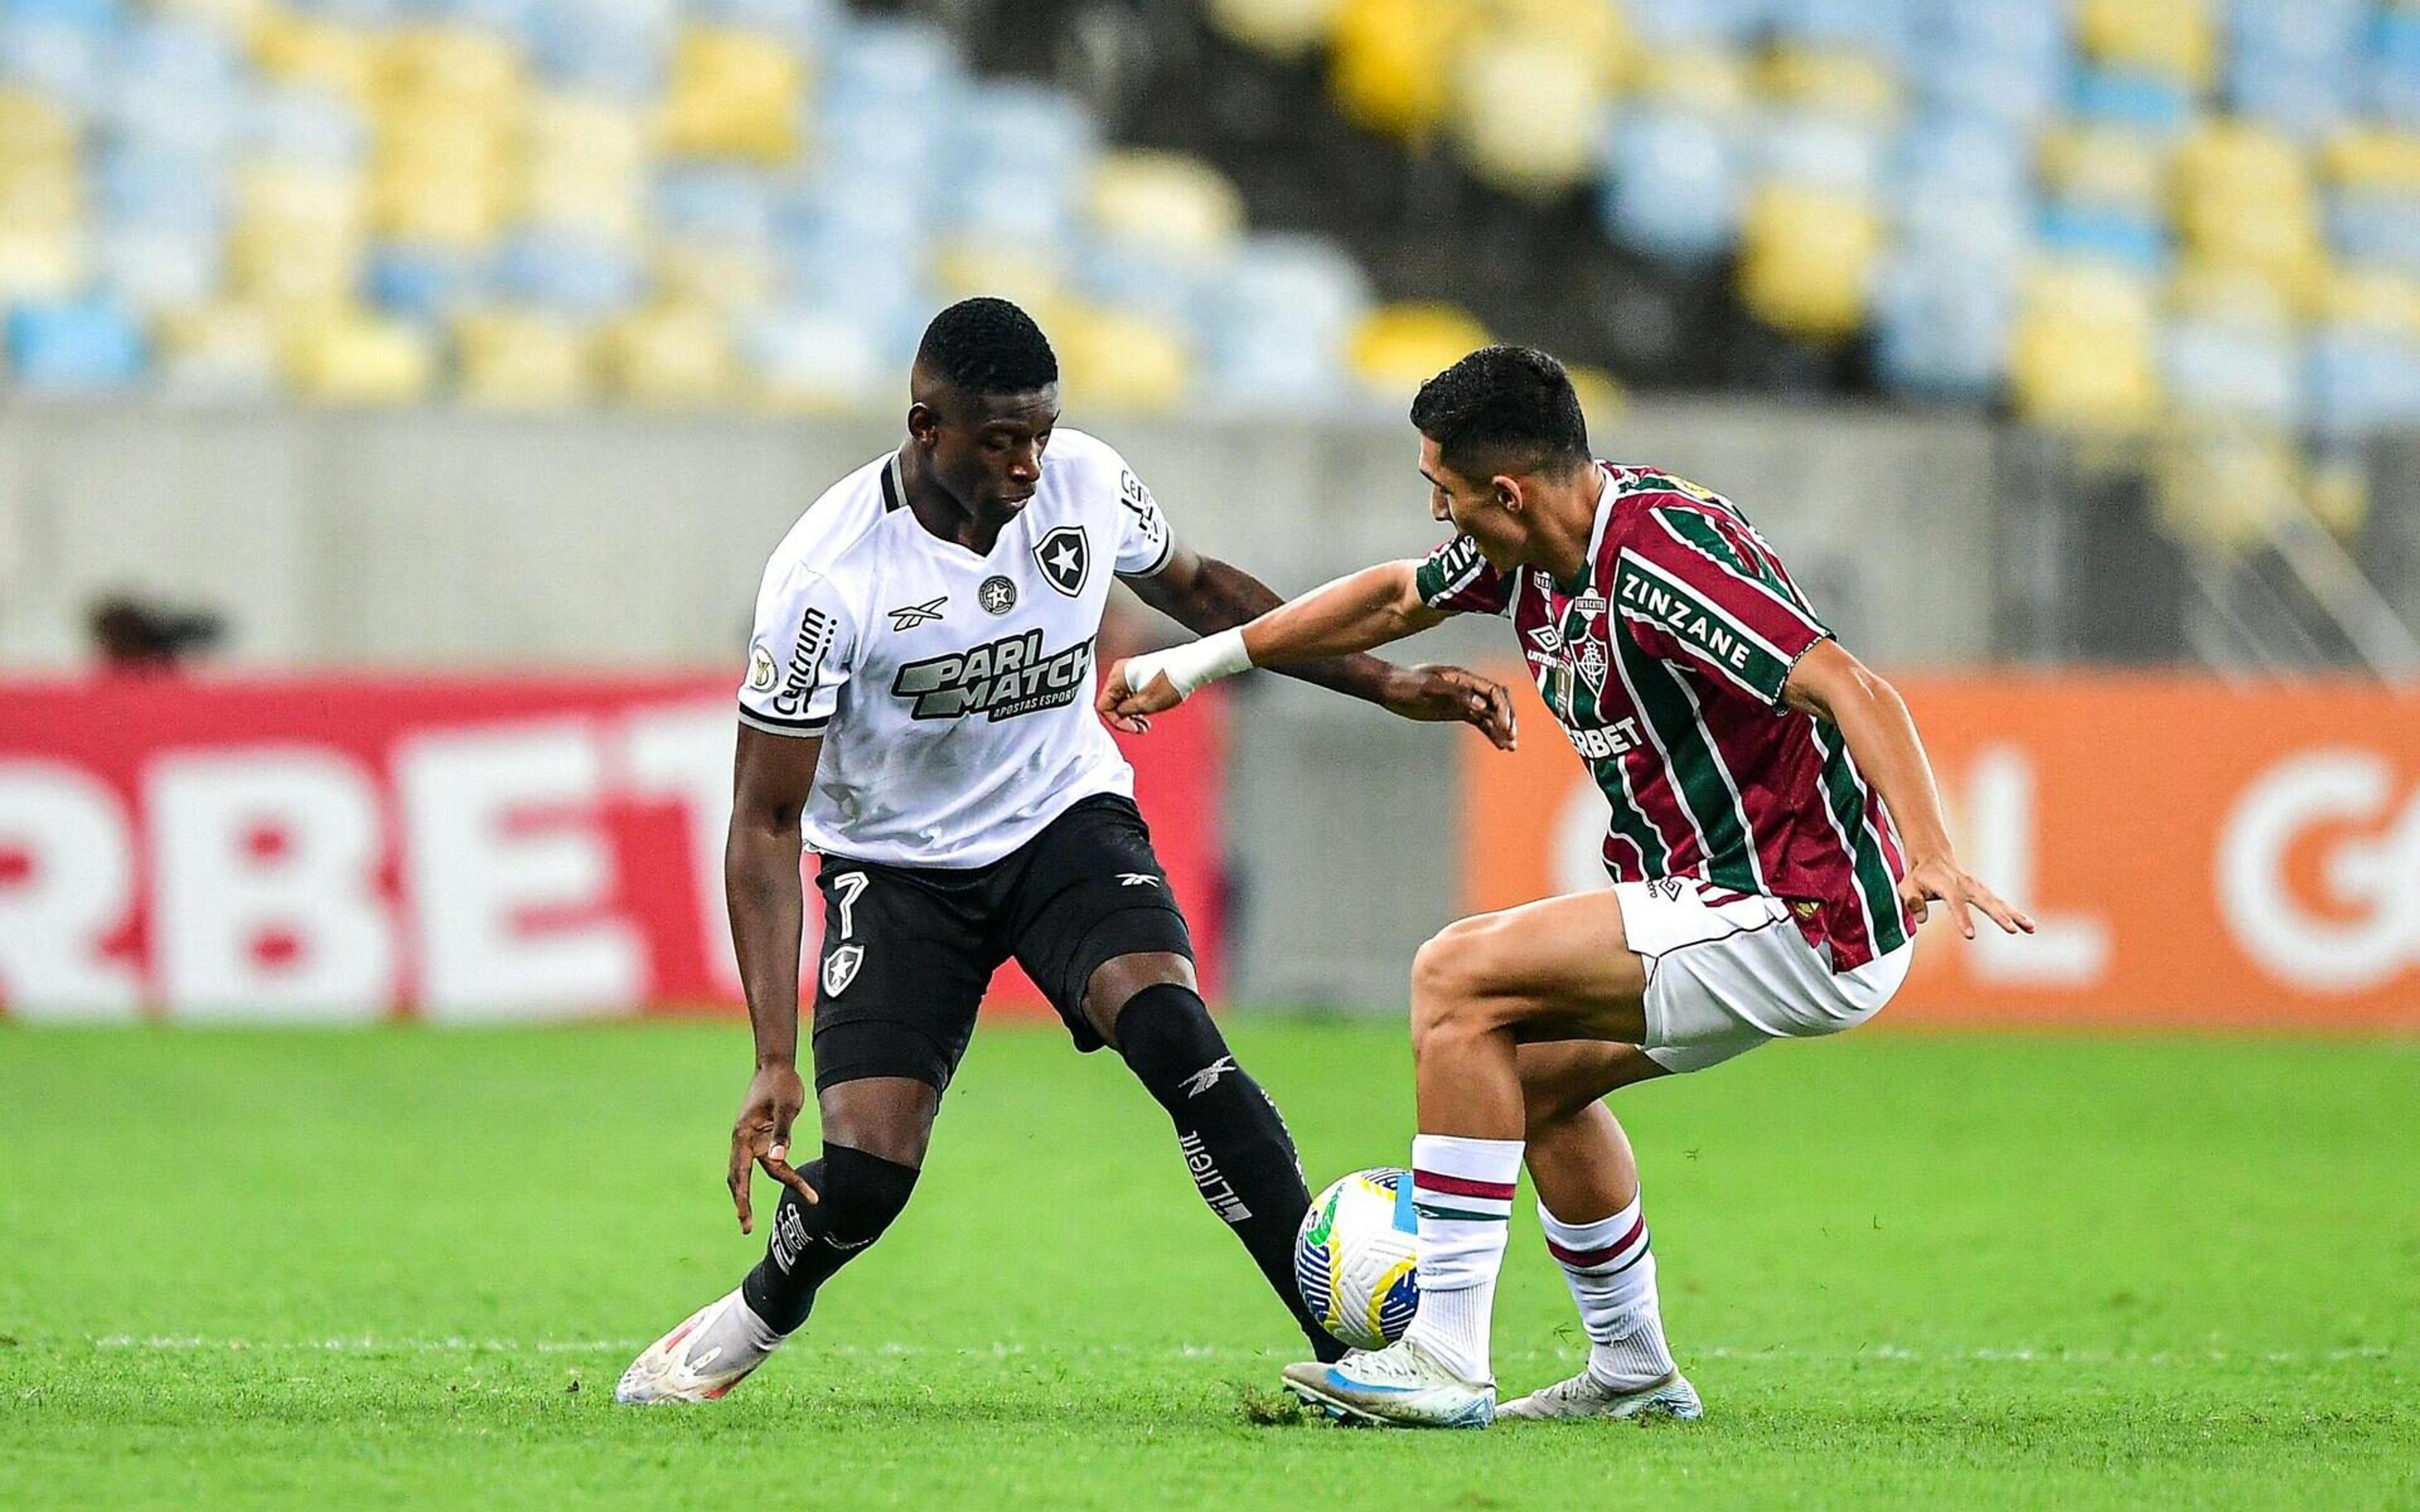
pixel 509 359
pixel 441 175
pixel 584 166
pixel 1597 33
pixel 1172 202
pixel 2081 355
pixel 2103 165
pixel 2375 157
pixel 1391 61
pixel 33 126
pixel 1838 82
pixel 303 50
pixel 1119 360
pixel 2174 38
pixel 37 192
pixel 298 234
pixel 462 68
pixel 2227 486
pixel 2243 195
pixel 670 357
pixel 1030 276
pixel 1601 398
pixel 1282 28
pixel 734 94
pixel 350 356
pixel 2228 291
pixel 2375 299
pixel 40 260
pixel 226 348
pixel 715 274
pixel 1397 348
pixel 1709 79
pixel 1806 258
pixel 1529 111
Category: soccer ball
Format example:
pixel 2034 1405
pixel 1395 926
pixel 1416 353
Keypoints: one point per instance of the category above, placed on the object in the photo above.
pixel 1353 1258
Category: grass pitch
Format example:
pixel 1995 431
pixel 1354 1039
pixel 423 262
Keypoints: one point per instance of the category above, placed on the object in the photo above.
pixel 403 1268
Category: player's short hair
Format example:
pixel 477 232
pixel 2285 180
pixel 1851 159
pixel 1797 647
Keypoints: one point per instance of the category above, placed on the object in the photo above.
pixel 987 345
pixel 1503 407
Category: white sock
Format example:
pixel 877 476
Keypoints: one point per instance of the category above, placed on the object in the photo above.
pixel 1462 1191
pixel 1611 1268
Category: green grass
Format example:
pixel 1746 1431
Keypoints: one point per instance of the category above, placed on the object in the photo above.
pixel 403 1268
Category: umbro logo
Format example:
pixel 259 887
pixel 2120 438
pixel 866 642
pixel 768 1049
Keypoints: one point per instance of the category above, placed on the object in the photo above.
pixel 915 614
pixel 1136 879
pixel 1207 1077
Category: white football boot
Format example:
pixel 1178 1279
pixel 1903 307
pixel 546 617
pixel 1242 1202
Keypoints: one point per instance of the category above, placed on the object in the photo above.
pixel 701 1360
pixel 1402 1386
pixel 1584 1395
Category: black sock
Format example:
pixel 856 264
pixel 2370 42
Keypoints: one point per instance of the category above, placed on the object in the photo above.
pixel 860 1193
pixel 1235 1144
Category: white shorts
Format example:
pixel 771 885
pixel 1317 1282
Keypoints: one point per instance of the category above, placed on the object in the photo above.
pixel 1723 978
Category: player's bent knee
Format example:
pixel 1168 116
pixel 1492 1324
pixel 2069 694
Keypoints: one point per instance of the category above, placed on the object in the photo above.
pixel 861 1194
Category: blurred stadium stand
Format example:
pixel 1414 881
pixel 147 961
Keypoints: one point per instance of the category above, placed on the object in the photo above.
pixel 2176 241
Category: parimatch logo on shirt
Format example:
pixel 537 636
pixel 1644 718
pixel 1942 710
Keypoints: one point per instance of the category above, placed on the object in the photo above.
pixel 1000 679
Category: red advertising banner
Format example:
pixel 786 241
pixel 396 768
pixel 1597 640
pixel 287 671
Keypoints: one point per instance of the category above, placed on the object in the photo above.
pixel 2198 854
pixel 362 848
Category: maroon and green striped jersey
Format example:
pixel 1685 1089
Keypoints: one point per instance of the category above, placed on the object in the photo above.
pixel 1664 662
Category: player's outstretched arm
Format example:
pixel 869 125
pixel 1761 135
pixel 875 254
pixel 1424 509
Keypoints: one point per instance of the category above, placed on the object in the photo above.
pixel 771 777
pixel 1320 637
pixel 1832 684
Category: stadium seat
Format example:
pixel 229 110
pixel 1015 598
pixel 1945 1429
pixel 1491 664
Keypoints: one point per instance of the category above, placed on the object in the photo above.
pixel 73 346
pixel 344 355
pixel 2174 38
pixel 1285 29
pixel 806 361
pixel 1806 259
pixel 1672 190
pixel 586 167
pixel 218 351
pixel 1116 360
pixel 1178 206
pixel 2081 353
pixel 2226 485
pixel 1833 81
pixel 734 94
pixel 1548 143
pixel 1391 63
pixel 522 359
pixel 1397 348
pixel 670 357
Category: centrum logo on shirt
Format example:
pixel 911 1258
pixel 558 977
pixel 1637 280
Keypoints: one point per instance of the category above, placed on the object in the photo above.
pixel 1000 679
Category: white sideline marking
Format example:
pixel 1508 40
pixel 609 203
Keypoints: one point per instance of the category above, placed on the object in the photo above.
pixel 1895 1353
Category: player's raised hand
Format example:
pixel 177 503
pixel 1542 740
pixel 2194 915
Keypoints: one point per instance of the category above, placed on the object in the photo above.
pixel 1127 708
pixel 1441 694
pixel 1940 879
pixel 761 1137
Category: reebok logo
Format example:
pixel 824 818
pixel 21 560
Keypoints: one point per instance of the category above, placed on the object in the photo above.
pixel 915 614
pixel 1136 879
pixel 1207 1077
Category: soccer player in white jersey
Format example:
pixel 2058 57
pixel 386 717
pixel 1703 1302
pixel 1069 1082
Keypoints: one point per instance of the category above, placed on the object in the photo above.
pixel 1775 837
pixel 918 700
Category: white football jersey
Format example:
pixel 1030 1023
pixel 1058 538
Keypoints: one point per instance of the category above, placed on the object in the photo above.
pixel 954 691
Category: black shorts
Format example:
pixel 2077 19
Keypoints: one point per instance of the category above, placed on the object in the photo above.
pixel 909 950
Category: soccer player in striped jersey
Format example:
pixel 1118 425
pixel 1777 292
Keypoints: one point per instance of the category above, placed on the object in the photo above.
pixel 1776 839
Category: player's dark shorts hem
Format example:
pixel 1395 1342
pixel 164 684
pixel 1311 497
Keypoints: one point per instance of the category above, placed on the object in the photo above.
pixel 855 1050
pixel 908 952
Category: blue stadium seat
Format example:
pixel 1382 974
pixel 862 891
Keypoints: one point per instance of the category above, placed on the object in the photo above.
pixel 567 274
pixel 1672 190
pixel 1941 327
pixel 426 283
pixel 73 346
pixel 2144 101
pixel 2134 239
